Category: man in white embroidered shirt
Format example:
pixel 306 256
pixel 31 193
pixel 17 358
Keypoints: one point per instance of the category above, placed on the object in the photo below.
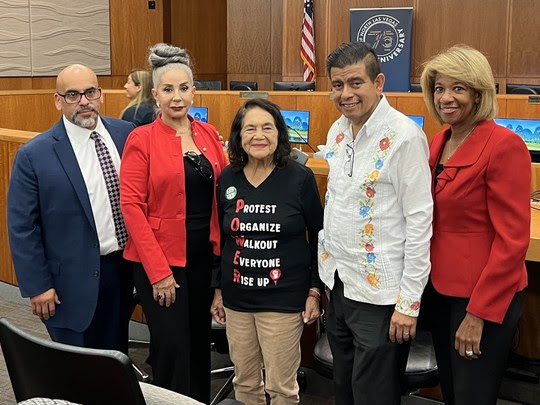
pixel 374 248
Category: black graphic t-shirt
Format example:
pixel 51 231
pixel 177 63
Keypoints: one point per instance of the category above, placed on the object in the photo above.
pixel 269 255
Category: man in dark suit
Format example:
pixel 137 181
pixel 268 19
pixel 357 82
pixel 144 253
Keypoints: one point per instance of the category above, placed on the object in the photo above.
pixel 65 229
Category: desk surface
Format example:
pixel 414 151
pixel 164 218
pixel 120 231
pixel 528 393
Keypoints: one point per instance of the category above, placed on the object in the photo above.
pixel 320 167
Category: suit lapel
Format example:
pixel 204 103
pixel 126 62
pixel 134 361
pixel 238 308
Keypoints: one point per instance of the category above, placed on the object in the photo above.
pixel 116 135
pixel 467 155
pixel 67 158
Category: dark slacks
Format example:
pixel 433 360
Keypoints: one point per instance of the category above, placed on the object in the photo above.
pixel 109 326
pixel 368 367
pixel 468 382
pixel 180 334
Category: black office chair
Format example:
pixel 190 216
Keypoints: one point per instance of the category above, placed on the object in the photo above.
pixel 421 371
pixel 219 344
pixel 40 368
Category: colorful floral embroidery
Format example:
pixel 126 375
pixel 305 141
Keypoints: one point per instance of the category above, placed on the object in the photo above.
pixel 332 150
pixel 324 256
pixel 366 210
pixel 407 306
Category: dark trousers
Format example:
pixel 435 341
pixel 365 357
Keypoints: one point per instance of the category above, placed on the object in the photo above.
pixel 110 324
pixel 368 367
pixel 468 382
pixel 180 334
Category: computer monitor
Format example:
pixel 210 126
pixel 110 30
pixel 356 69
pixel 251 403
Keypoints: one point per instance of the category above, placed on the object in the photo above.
pixel 415 88
pixel 294 86
pixel 523 89
pixel 528 130
pixel 298 123
pixel 207 84
pixel 199 113
pixel 419 119
pixel 242 85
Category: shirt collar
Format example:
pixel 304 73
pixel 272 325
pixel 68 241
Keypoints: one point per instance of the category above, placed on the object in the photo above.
pixel 79 135
pixel 373 123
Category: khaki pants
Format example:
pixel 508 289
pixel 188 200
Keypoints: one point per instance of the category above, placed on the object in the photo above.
pixel 270 340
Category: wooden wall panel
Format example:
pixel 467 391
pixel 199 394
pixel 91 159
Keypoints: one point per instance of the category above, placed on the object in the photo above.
pixel 517 107
pixel 254 41
pixel 28 110
pixel 413 104
pixel 323 115
pixel 10 142
pixel 293 12
pixel 524 51
pixel 249 36
pixel 276 37
pixel 133 29
pixel 482 24
pixel 201 27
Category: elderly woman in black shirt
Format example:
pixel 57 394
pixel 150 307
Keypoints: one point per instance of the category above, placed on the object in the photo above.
pixel 268 286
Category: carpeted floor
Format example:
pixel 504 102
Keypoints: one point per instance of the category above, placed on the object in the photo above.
pixel 318 390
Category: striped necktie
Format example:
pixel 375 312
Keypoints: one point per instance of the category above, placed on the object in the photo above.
pixel 113 187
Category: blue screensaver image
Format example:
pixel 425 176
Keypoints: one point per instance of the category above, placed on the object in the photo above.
pixel 419 119
pixel 199 113
pixel 528 130
pixel 299 122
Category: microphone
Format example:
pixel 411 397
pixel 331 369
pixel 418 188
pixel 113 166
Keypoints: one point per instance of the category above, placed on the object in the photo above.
pixel 302 138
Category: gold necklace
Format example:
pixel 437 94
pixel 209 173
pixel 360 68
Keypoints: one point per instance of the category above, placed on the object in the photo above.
pixel 460 143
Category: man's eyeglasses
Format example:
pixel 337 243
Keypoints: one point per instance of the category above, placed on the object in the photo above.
pixel 73 97
pixel 349 151
pixel 195 160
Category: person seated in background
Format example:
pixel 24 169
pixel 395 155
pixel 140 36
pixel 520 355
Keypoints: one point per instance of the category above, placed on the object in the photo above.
pixel 168 179
pixel 481 190
pixel 142 107
pixel 268 286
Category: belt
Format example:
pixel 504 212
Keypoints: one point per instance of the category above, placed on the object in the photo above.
pixel 112 254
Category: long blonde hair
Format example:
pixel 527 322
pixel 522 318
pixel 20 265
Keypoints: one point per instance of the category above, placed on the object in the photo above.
pixel 143 79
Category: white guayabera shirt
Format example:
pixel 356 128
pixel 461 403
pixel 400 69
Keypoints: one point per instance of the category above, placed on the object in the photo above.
pixel 379 208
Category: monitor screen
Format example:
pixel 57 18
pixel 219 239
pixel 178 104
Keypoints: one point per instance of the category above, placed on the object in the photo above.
pixel 419 119
pixel 242 85
pixel 528 130
pixel 199 113
pixel 298 124
pixel 522 89
pixel 294 86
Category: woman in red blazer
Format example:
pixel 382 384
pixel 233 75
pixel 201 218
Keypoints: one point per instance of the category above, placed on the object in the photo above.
pixel 481 227
pixel 168 179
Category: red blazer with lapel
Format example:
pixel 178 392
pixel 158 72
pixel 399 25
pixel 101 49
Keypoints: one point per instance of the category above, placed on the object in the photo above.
pixel 153 198
pixel 481 221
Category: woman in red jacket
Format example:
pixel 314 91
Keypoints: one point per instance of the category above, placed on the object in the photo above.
pixel 481 225
pixel 168 178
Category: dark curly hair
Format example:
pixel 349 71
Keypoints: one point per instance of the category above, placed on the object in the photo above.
pixel 237 156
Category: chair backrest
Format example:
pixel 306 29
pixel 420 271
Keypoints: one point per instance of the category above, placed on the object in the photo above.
pixel 42 368
pixel 207 84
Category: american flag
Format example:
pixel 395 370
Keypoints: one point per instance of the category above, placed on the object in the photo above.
pixel 307 51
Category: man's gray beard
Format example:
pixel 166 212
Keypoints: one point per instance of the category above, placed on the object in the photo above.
pixel 87 122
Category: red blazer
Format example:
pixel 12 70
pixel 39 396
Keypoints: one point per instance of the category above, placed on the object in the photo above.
pixel 152 194
pixel 481 221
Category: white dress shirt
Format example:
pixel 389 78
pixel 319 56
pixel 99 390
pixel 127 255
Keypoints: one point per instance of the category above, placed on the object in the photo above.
pixel 85 151
pixel 378 213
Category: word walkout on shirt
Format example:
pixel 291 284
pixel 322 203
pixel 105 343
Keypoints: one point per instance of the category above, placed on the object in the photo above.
pixel 255 243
